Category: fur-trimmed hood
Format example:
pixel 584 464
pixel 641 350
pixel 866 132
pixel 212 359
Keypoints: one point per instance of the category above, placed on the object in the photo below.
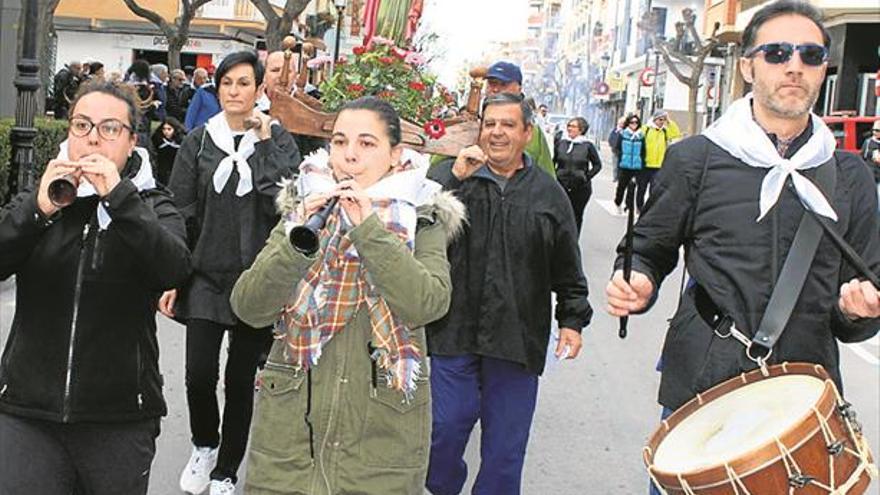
pixel 444 207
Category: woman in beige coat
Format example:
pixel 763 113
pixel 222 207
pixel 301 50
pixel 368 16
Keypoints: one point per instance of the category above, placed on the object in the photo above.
pixel 345 401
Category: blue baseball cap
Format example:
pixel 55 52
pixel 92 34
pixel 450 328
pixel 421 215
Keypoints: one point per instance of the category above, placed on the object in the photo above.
pixel 505 72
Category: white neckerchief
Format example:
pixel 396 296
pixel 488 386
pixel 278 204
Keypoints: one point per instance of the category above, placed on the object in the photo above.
pixel 738 134
pixel 142 180
pixel 576 140
pixel 218 128
pixel 166 143
pixel 411 186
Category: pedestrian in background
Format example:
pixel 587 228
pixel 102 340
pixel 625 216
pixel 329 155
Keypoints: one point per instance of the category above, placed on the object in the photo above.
pixel 577 162
pixel 64 87
pixel 151 93
pixel 204 103
pixel 167 139
pixel 659 133
pixel 224 181
pixel 80 387
pixel 506 77
pixel 487 353
pixel 614 144
pixel 631 149
pixel 178 94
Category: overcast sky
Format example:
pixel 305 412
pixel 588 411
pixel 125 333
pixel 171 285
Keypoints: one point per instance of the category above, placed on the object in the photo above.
pixel 467 27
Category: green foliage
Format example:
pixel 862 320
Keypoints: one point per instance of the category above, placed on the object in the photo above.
pixel 50 133
pixel 388 72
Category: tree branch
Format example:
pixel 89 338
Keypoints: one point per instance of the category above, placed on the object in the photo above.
pixel 266 9
pixel 151 16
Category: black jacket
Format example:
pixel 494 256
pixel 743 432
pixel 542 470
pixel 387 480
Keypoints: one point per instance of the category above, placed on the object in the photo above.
pixel 575 169
pixel 83 341
pixel 225 231
pixel 736 260
pixel 518 246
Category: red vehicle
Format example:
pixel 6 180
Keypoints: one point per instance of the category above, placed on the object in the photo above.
pixel 850 131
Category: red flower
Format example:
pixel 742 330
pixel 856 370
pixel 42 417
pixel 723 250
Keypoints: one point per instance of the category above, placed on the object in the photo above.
pixel 399 53
pixel 386 94
pixel 359 50
pixel 417 85
pixel 435 129
pixel 356 88
pixel 386 60
pixel 342 61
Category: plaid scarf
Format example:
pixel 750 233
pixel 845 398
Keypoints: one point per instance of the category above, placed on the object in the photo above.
pixel 337 284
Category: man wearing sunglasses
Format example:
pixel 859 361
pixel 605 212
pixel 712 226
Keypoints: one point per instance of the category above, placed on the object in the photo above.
pixel 734 198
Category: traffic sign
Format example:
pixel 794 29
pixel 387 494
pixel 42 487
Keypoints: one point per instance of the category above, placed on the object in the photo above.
pixel 602 89
pixel 647 76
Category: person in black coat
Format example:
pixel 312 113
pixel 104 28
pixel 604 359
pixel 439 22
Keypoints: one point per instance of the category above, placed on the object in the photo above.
pixel 487 353
pixel 577 162
pixel 225 180
pixel 167 139
pixel 715 198
pixel 80 387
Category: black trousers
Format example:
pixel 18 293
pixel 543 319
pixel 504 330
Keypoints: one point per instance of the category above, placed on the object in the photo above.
pixel 579 197
pixel 45 458
pixel 641 186
pixel 246 346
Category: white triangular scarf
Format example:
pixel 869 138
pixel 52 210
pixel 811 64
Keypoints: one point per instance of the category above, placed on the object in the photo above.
pixel 166 143
pixel 143 180
pixel 738 134
pixel 411 186
pixel 576 140
pixel 218 128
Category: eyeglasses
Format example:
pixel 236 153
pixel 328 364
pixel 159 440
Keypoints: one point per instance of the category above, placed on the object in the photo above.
pixel 781 52
pixel 108 129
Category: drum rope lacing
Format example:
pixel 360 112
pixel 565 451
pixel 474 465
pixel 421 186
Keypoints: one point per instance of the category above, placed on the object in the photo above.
pixel 797 479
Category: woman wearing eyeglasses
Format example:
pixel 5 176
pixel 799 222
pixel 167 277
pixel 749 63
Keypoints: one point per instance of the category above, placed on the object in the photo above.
pixel 80 389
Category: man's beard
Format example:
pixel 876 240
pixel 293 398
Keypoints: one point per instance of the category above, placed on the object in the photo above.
pixel 769 99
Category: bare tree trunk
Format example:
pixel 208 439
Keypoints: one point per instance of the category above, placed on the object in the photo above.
pixel 176 33
pixel 173 56
pixel 693 92
pixel 279 26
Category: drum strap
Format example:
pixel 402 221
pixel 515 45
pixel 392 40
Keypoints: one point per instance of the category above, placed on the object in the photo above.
pixel 791 279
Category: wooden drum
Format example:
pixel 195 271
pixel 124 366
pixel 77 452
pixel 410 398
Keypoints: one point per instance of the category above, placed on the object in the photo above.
pixel 789 432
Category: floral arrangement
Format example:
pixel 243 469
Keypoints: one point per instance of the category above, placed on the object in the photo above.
pixel 386 71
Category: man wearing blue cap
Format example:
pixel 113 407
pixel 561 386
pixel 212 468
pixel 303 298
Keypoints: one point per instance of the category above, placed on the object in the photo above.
pixel 505 77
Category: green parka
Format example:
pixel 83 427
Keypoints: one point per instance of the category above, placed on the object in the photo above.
pixel 366 439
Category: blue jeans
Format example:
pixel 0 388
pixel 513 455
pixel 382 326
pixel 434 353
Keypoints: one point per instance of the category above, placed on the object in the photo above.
pixel 502 395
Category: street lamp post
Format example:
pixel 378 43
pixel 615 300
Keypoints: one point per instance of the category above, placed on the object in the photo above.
pixel 340 9
pixel 27 81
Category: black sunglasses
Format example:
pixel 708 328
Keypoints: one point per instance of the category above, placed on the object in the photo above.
pixel 781 52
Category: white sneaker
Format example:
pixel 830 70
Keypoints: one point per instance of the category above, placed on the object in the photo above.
pixel 196 476
pixel 225 487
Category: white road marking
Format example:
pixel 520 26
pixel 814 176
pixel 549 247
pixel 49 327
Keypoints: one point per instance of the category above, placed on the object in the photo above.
pixel 863 353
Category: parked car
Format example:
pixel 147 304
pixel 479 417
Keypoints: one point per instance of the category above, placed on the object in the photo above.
pixel 850 131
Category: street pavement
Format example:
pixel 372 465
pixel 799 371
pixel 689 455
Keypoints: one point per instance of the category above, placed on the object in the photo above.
pixel 594 413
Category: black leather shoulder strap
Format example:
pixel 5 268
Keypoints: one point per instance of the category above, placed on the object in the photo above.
pixel 795 268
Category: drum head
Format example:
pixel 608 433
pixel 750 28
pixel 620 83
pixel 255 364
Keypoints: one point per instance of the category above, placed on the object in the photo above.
pixel 738 422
